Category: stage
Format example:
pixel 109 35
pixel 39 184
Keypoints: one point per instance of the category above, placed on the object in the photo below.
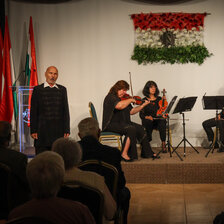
pixel 195 168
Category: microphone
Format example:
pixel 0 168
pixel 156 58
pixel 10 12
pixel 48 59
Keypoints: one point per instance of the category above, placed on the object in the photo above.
pixel 14 87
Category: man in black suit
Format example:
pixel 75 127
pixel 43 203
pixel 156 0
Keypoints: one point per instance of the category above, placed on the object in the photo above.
pixel 89 133
pixel 17 162
pixel 215 122
pixel 49 114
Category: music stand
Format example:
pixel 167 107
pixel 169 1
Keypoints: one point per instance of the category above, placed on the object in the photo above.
pixel 213 103
pixel 166 113
pixel 184 105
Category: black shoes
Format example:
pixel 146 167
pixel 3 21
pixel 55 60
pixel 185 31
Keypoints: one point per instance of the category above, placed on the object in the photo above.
pixel 155 157
pixel 221 149
pixel 210 146
pixel 126 160
pixel 145 157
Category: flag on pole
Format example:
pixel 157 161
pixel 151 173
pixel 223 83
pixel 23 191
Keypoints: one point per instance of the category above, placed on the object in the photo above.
pixel 31 66
pixel 8 105
pixel 169 38
pixel 1 64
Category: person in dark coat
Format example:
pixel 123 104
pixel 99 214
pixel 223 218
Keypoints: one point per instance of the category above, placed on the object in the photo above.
pixel 89 133
pixel 16 162
pixel 49 114
pixel 219 123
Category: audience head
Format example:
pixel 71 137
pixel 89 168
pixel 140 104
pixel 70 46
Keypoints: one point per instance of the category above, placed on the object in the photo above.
pixel 5 133
pixel 45 174
pixel 89 127
pixel 69 150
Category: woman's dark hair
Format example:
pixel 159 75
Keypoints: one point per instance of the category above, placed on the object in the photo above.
pixel 149 84
pixel 118 86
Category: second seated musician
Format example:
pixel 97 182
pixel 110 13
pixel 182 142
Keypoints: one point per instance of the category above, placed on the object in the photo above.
pixel 149 113
pixel 116 118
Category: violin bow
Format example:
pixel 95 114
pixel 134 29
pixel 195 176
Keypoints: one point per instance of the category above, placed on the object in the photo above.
pixel 131 85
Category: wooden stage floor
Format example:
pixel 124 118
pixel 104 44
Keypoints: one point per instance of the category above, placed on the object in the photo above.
pixel 195 168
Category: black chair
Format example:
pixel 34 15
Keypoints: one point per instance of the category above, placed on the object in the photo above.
pixel 5 174
pixel 29 220
pixel 110 175
pixel 106 170
pixel 109 137
pixel 88 196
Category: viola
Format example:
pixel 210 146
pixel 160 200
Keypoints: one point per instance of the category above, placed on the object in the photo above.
pixel 138 99
pixel 162 105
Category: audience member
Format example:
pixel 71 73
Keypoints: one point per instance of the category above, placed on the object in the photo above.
pixel 17 162
pixel 71 153
pixel 45 174
pixel 89 133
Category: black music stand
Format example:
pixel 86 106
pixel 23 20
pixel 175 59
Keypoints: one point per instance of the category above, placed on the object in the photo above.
pixel 213 103
pixel 184 105
pixel 166 112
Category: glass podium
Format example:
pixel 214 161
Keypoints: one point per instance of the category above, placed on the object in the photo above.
pixel 26 143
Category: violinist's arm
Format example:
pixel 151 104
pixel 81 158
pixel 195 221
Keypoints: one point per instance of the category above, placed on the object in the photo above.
pixel 135 110
pixel 124 103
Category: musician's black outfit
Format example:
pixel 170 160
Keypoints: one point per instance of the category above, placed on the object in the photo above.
pixel 119 121
pixel 209 124
pixel 159 124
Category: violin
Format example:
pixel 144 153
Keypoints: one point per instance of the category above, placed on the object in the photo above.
pixel 162 105
pixel 138 99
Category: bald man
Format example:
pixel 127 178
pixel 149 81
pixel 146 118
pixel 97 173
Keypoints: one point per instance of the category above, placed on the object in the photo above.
pixel 49 114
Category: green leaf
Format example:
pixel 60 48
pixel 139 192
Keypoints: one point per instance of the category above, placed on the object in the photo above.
pixel 183 55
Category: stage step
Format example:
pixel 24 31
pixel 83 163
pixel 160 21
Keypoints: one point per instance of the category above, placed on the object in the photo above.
pixel 195 168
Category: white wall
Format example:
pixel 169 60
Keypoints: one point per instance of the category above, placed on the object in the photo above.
pixel 91 42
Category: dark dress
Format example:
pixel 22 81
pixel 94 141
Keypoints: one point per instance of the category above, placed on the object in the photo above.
pixel 49 115
pixel 160 124
pixel 119 121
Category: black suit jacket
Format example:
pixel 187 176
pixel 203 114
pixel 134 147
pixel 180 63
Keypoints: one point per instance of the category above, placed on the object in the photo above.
pixel 93 149
pixel 49 130
pixel 17 162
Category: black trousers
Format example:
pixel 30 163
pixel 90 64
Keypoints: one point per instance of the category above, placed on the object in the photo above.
pixel 209 124
pixel 155 124
pixel 136 133
pixel 38 150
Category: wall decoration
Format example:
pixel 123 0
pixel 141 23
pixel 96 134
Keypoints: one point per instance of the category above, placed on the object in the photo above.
pixel 169 38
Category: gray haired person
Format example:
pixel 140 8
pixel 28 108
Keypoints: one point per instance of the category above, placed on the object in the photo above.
pixel 45 175
pixel 89 133
pixel 71 152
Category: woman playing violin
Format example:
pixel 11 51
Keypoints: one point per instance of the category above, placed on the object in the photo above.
pixel 148 114
pixel 116 118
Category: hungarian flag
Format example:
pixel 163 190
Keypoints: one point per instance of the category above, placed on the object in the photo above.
pixel 169 38
pixel 1 64
pixel 31 66
pixel 8 102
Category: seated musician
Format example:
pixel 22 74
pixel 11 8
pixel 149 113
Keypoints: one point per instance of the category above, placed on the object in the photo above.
pixel 213 122
pixel 116 118
pixel 149 114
